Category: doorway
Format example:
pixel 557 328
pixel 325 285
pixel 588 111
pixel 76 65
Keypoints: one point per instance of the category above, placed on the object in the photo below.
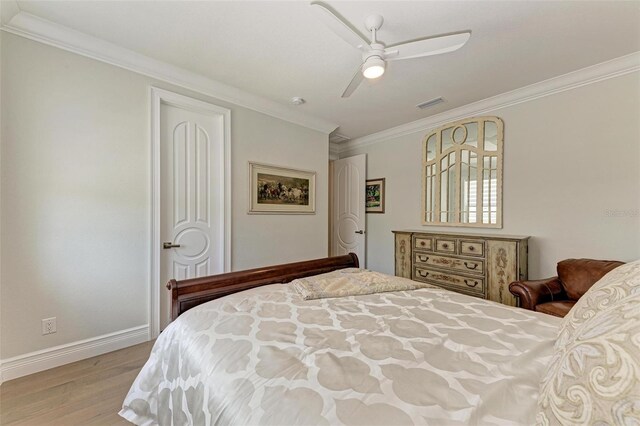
pixel 191 217
pixel 348 216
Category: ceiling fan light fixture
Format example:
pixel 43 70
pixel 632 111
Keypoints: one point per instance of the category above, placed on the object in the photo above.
pixel 373 67
pixel 375 53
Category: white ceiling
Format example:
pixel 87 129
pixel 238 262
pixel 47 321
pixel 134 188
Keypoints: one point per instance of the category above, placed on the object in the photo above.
pixel 279 49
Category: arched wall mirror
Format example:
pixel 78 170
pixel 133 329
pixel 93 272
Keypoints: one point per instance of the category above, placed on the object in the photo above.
pixel 462 174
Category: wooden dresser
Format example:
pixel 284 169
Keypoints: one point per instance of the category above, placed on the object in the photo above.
pixel 475 264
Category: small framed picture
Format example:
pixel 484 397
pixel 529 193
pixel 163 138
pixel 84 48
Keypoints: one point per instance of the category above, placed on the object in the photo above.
pixel 375 195
pixel 280 190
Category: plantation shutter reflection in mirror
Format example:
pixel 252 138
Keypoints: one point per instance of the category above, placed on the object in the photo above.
pixel 462 174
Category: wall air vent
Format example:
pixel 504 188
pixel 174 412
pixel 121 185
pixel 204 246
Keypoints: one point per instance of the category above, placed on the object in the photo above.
pixel 430 103
pixel 338 138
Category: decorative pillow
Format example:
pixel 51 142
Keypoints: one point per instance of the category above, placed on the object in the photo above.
pixel 616 285
pixel 351 282
pixel 594 374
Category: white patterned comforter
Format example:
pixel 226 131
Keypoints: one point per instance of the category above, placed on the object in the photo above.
pixel 265 356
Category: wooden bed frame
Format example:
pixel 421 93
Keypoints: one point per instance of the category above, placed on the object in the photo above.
pixel 186 294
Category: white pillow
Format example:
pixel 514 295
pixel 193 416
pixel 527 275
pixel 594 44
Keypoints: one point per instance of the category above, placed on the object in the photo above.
pixel 594 374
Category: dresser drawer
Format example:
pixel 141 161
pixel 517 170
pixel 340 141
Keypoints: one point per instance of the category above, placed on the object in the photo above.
pixel 423 243
pixel 472 248
pixel 453 281
pixel 445 245
pixel 470 266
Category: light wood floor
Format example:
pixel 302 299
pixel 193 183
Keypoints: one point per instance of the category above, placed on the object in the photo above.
pixel 88 392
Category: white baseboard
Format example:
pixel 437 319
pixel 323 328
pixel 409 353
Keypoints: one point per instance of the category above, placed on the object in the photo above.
pixel 33 362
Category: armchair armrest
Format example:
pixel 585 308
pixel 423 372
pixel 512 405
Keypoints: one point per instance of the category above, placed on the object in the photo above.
pixel 534 292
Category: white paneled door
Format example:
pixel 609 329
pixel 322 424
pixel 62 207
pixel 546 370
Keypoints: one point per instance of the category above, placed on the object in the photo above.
pixel 348 216
pixel 191 181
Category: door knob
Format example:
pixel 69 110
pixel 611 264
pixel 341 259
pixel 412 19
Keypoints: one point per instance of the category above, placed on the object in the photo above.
pixel 169 245
pixel 360 232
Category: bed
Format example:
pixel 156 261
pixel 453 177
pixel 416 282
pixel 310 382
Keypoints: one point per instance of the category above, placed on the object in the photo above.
pixel 247 348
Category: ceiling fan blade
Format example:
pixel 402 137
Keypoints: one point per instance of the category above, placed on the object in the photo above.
pixel 427 47
pixel 339 26
pixel 355 82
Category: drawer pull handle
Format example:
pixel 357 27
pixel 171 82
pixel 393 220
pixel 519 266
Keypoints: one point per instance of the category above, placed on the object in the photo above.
pixel 422 243
pixel 472 267
pixel 422 273
pixel 471 248
pixel 423 258
pixel 474 283
pixel 445 246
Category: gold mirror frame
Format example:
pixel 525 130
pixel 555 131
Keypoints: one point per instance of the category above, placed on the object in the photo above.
pixel 455 157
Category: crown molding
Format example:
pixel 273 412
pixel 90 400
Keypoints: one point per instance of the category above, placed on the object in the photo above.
pixel 8 9
pixel 585 76
pixel 334 148
pixel 35 28
pixel 334 151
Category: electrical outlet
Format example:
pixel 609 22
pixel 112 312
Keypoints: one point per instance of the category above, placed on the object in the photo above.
pixel 48 325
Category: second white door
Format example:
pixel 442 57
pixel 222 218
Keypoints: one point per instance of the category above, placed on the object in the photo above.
pixel 348 215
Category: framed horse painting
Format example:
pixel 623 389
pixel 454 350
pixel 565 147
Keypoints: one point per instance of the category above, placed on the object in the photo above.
pixel 278 190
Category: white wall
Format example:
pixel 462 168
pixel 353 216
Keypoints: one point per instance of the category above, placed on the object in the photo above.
pixel 271 239
pixel 569 158
pixel 76 202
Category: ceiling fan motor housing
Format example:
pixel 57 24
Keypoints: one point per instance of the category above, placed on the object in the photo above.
pixel 376 49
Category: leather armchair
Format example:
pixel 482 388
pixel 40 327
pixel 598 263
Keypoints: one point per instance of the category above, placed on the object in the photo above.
pixel 557 295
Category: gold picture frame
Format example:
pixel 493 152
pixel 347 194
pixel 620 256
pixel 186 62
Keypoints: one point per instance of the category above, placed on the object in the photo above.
pixel 281 190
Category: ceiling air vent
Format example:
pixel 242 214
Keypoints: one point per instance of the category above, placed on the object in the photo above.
pixel 338 138
pixel 430 103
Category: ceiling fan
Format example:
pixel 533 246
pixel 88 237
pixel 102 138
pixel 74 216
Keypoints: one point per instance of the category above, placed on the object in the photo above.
pixel 375 54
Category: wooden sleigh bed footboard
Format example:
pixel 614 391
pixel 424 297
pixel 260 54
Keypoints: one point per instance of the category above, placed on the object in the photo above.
pixel 186 294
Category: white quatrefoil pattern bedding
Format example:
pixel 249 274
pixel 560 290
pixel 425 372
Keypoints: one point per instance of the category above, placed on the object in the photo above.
pixel 266 356
pixel 594 375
